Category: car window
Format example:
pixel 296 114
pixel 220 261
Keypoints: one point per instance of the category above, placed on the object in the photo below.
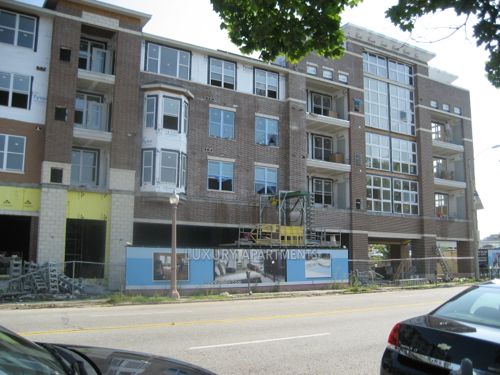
pixel 480 305
pixel 19 356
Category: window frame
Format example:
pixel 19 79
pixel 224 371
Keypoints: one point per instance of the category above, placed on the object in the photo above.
pixel 154 125
pixel 323 194
pixel 179 113
pixel 4 151
pixel 85 112
pixel 441 203
pixel 152 166
pixel 222 81
pixel 91 44
pixel 325 156
pixel 16 29
pixel 409 197
pixel 267 132
pixel 267 183
pixel 158 69
pixel 11 92
pixel 373 142
pixel 323 109
pixel 266 84
pixel 221 126
pixel 372 199
pixel 96 169
pixel 219 164
pixel 398 152
pixel 162 167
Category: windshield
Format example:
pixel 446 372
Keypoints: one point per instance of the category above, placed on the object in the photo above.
pixel 19 356
pixel 479 305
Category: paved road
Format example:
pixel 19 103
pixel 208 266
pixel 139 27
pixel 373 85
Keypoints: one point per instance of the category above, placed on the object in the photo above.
pixel 331 334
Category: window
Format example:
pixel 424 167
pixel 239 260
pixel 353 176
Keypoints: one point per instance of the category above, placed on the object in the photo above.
pixel 221 123
pixel 183 171
pixel 378 193
pixel 404 156
pixel 343 78
pixel 376 104
pixel 15 90
pixel 168 61
pixel 168 167
pixel 84 167
pixel 185 119
pixel 266 180
pixel 457 110
pixel 439 166
pixel 405 196
pixel 400 72
pixel 327 74
pixel 380 66
pixel 377 151
pixel 446 107
pixel 222 73
pixel 266 83
pixel 90 112
pixel 148 167
pixel 311 69
pixel 438 131
pixel 171 113
pixel 441 205
pixel 434 104
pixel 374 64
pixel 17 29
pixel 323 191
pixel 322 148
pixel 402 116
pixel 266 131
pixel 12 149
pixel 150 112
pixel 321 104
pixel 93 56
pixel 166 112
pixel 220 175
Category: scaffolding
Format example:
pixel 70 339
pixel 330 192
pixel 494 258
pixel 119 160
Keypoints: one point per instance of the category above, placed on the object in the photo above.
pixel 286 219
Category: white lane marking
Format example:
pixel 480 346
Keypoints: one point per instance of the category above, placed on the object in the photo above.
pixel 259 341
pixel 142 313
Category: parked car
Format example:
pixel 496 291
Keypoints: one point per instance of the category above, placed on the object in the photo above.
pixel 19 356
pixel 462 336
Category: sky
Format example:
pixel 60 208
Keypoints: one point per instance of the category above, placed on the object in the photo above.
pixel 194 21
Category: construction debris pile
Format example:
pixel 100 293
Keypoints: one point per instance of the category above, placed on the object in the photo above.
pixel 29 280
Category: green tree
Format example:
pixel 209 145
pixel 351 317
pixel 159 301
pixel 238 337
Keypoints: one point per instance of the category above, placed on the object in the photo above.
pixel 284 27
pixel 486 30
pixel 295 28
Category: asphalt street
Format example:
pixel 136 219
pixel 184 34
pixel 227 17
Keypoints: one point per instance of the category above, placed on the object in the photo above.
pixel 330 334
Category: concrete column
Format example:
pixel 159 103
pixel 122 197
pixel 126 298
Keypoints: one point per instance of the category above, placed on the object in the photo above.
pixel 52 228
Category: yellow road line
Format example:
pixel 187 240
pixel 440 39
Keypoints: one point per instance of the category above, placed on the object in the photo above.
pixel 227 321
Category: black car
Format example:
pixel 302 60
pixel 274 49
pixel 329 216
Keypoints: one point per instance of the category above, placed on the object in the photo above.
pixel 462 336
pixel 19 356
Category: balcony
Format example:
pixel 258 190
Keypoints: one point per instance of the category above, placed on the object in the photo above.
pixel 326 124
pixel 445 180
pixel 91 120
pixel 95 70
pixel 335 164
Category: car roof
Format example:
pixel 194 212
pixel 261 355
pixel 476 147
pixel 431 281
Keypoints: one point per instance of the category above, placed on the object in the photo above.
pixel 495 283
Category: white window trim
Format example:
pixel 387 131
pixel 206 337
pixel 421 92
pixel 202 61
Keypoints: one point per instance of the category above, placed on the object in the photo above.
pixel 3 168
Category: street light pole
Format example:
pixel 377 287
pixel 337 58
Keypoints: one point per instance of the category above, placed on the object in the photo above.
pixel 174 201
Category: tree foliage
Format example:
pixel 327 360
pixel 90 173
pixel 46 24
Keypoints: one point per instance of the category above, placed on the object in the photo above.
pixel 284 27
pixel 295 28
pixel 486 30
